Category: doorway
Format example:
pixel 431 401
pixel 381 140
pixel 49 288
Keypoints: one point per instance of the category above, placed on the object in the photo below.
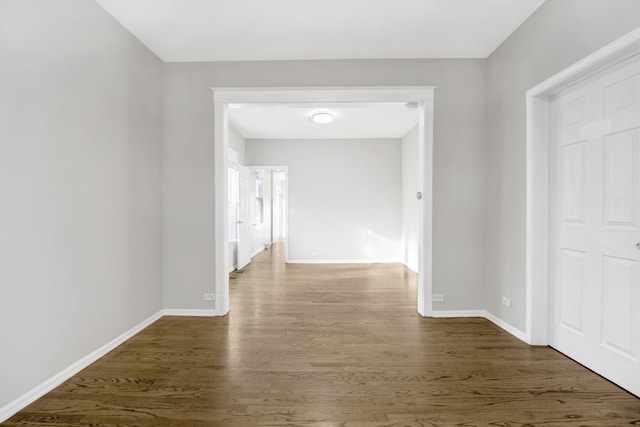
pixel 583 212
pixel 257 211
pixel 423 97
pixel 278 205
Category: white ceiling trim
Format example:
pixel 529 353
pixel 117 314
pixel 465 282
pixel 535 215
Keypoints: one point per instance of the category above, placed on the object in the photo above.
pixel 379 113
pixel 289 95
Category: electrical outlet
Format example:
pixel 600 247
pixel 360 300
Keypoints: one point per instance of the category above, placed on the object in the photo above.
pixel 438 297
pixel 209 297
pixel 506 302
pixel 315 253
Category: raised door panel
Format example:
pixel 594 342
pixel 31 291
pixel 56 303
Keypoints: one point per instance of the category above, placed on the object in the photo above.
pixel 620 95
pixel 572 281
pixel 621 299
pixel 573 177
pixel 621 169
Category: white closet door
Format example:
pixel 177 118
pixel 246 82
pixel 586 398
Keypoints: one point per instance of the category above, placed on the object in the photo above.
pixel 595 217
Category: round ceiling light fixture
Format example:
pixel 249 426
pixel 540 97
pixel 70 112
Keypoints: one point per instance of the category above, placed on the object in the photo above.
pixel 322 117
pixel 412 105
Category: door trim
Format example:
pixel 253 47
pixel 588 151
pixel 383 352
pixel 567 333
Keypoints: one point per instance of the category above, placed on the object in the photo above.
pixel 538 187
pixel 285 170
pixel 424 95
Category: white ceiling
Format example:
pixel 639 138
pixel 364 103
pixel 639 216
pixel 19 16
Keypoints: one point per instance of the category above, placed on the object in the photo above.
pixel 389 120
pixel 224 30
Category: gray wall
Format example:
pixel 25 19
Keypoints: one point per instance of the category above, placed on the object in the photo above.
pixel 80 186
pixel 458 158
pixel 346 195
pixel 560 33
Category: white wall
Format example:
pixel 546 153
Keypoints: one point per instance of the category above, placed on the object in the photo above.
pixel 560 33
pixel 458 163
pixel 410 217
pixel 236 143
pixel 80 186
pixel 279 207
pixel 344 196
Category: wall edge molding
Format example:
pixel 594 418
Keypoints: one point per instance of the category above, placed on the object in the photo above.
pixel 410 267
pixel 507 327
pixel 486 315
pixel 16 405
pixel 344 261
pixel 442 314
pixel 191 312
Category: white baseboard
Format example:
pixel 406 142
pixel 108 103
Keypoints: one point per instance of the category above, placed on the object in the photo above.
pixel 343 261
pixel 459 313
pixel 415 270
pixel 37 392
pixel 507 327
pixel 484 314
pixel 189 312
pixel 259 251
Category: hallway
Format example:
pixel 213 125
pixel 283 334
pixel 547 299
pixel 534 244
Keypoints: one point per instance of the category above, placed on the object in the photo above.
pixel 329 345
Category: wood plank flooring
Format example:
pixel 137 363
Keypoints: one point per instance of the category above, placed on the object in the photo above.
pixel 341 345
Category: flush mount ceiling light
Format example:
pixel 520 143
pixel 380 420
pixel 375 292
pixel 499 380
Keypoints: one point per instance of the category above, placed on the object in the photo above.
pixel 412 105
pixel 322 117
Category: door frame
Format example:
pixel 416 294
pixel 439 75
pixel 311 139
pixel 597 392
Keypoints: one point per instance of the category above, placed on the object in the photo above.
pixel 424 95
pixel 285 170
pixel 245 221
pixel 538 185
pixel 285 214
pixel 233 165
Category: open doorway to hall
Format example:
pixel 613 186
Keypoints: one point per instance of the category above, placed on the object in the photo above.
pixel 345 194
pixel 257 205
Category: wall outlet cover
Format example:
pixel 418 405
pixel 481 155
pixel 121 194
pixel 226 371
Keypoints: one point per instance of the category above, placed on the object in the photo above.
pixel 506 302
pixel 438 297
pixel 209 297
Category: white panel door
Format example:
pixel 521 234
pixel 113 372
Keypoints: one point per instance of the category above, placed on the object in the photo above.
pixel 595 224
pixel 244 217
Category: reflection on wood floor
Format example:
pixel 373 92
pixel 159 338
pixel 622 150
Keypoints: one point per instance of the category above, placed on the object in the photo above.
pixel 330 345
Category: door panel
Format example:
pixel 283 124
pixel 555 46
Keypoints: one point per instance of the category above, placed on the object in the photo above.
pixel 572 289
pixel 244 217
pixel 620 199
pixel 618 304
pixel 595 224
pixel 573 157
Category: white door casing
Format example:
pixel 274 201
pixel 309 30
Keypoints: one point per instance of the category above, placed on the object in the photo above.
pixel 424 95
pixel 232 177
pixel 277 206
pixel 595 224
pixel 538 98
pixel 244 217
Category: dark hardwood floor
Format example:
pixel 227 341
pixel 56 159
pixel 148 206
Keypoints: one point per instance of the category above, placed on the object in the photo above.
pixel 342 345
